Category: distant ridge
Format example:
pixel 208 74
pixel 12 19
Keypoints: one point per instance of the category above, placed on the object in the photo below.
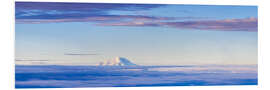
pixel 118 61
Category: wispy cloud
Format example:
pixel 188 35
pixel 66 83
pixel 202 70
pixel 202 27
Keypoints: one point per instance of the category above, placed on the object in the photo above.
pixel 49 12
pixel 60 6
pixel 96 19
pixel 80 54
pixel 29 60
pixel 244 24
pixel 99 14
pixel 72 11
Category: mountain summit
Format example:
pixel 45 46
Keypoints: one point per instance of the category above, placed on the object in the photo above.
pixel 118 61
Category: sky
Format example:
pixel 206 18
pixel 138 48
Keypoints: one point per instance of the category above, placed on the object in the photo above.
pixel 50 33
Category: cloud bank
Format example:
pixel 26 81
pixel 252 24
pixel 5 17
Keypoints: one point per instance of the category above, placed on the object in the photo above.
pixel 92 76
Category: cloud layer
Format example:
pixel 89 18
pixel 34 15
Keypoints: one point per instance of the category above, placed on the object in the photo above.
pixel 92 76
pixel 98 13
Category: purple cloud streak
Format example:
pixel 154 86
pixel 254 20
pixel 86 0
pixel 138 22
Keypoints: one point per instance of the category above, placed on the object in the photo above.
pixel 98 13
pixel 244 24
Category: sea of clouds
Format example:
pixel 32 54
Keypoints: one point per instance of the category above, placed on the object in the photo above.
pixel 131 76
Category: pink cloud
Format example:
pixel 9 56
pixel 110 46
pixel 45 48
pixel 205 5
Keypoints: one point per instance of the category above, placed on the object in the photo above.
pixel 243 24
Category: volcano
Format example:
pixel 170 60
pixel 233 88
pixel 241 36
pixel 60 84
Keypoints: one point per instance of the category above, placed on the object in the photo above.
pixel 118 61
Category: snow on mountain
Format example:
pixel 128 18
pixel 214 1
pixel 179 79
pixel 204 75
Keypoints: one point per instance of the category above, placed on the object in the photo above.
pixel 118 61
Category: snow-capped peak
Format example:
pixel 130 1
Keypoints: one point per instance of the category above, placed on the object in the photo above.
pixel 118 61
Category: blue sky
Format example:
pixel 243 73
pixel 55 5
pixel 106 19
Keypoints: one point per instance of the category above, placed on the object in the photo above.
pixel 147 34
